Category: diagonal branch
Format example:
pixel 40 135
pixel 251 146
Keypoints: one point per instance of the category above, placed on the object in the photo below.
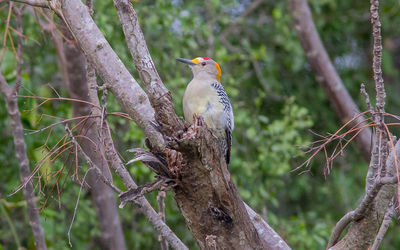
pixel 118 166
pixel 326 74
pixel 159 95
pixel 384 227
pixel 366 217
pixel 111 69
pixel 20 151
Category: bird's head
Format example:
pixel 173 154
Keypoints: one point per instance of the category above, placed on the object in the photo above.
pixel 203 67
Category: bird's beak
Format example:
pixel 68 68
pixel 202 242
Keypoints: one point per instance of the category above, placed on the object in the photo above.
pixel 187 61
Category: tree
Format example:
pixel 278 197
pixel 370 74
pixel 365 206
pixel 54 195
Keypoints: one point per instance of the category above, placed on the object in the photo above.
pixel 187 159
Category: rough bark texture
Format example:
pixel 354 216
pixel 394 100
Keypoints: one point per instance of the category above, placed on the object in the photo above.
pixel 103 199
pixel 206 195
pixel 362 232
pixel 10 95
pixel 326 74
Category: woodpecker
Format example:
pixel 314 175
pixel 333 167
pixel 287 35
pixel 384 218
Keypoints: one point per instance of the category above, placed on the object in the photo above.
pixel 205 96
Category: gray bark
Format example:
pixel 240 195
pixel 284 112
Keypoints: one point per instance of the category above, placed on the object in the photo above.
pixel 10 95
pixel 103 199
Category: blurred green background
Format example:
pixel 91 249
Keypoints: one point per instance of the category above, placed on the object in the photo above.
pixel 276 102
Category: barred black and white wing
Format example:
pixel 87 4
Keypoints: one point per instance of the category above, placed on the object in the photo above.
pixel 228 117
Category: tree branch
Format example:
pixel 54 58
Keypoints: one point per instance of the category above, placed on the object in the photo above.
pixel 36 3
pixel 368 215
pixel 377 61
pixel 111 69
pixel 326 74
pixel 266 233
pixel 90 163
pixel 102 192
pixel 161 212
pixel 159 95
pixel 20 151
pixel 119 168
pixel 384 226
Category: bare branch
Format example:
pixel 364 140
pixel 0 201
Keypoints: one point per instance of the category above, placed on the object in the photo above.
pixel 20 62
pixel 36 3
pixel 384 226
pixel 111 69
pixel 377 61
pixel 325 72
pixel 365 217
pixel 159 95
pixel 367 100
pixel 20 152
pixel 354 215
pixel 161 212
pixel 267 234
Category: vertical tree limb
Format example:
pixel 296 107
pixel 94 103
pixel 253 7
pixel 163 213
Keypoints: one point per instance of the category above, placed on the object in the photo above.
pixel 10 95
pixel 326 74
pixel 161 212
pixel 159 95
pixel 377 60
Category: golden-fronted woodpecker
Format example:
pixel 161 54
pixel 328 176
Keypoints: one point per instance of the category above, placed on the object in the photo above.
pixel 205 96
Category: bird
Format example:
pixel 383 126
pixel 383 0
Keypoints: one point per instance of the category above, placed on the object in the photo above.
pixel 206 97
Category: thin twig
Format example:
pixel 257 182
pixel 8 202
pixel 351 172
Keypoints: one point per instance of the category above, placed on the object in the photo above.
pixel 161 212
pixel 90 163
pixel 36 3
pixel 20 62
pixel 76 207
pixel 384 226
pixel 367 100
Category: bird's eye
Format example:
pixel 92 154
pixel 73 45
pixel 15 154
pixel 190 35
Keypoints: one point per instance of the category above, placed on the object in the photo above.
pixel 203 64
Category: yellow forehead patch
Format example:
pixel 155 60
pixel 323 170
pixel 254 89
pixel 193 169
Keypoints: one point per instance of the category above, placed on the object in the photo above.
pixel 200 59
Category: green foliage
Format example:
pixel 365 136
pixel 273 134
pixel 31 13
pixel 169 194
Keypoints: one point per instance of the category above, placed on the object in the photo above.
pixel 275 98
